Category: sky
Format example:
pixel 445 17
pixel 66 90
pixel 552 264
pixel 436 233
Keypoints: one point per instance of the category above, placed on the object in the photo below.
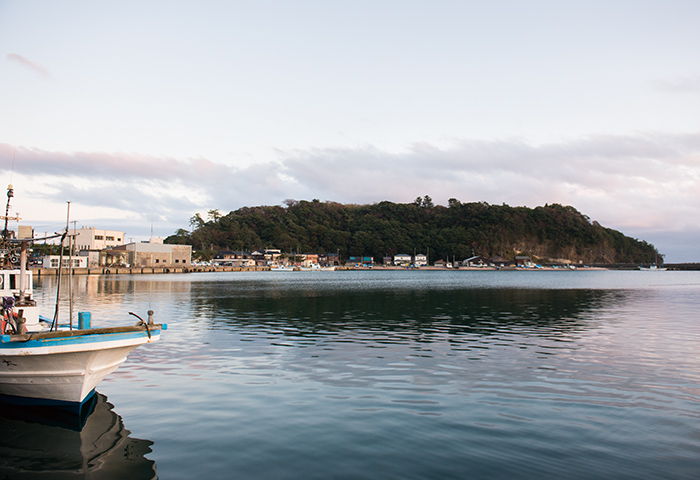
pixel 143 113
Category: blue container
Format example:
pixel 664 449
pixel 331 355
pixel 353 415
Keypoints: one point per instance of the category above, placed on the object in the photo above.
pixel 84 319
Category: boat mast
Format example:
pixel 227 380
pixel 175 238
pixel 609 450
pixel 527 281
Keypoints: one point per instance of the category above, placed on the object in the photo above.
pixel 54 324
pixel 10 194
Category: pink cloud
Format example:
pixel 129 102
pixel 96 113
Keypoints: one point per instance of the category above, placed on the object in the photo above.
pixel 35 67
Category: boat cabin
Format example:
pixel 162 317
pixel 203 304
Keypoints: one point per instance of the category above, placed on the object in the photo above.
pixel 12 286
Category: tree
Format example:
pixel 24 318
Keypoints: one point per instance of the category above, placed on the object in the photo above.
pixel 196 221
pixel 181 237
pixel 214 215
pixel 425 202
pixel 386 228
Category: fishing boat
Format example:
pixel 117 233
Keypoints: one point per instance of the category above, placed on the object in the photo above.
pixel 42 362
pixel 315 267
pixel 281 268
pixel 652 268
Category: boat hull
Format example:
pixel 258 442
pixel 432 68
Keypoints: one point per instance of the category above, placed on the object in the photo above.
pixel 65 367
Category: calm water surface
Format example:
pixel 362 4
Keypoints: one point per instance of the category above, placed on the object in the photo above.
pixel 397 375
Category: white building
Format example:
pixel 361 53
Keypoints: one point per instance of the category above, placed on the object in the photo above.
pixel 89 238
pixel 402 259
pixel 420 260
pixel 51 261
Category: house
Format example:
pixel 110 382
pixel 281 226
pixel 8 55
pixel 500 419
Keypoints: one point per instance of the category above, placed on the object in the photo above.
pixel 359 260
pixel 420 260
pixel 475 261
pixel 233 258
pixel 501 261
pixel 523 261
pixel 402 259
pixel 309 259
pixel 271 255
pixel 329 259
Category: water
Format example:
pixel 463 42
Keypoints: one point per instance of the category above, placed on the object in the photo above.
pixel 405 374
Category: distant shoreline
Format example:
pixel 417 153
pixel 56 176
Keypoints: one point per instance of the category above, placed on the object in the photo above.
pixel 40 272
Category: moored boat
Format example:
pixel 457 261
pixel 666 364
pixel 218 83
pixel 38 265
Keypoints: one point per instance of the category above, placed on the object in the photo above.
pixel 315 267
pixel 652 268
pixel 42 362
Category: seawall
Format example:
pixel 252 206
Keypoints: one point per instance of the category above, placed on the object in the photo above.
pixel 141 270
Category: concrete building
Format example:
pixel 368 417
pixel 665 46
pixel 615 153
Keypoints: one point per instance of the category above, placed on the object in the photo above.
pixel 148 254
pixel 89 238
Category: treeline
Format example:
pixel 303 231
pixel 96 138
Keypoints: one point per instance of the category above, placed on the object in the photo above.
pixel 460 230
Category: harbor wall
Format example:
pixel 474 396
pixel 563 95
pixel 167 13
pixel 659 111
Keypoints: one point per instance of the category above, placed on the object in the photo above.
pixel 38 272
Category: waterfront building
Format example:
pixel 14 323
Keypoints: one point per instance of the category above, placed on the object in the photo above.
pixel 271 255
pixel 329 259
pixel 309 259
pixel 229 258
pixel 475 261
pixel 523 261
pixel 148 254
pixel 89 238
pixel 359 260
pixel 76 261
pixel 420 260
pixel 402 259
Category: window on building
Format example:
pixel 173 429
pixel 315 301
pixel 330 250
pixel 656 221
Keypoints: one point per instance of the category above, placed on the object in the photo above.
pixel 157 260
pixel 54 263
pixel 110 239
pixel 99 237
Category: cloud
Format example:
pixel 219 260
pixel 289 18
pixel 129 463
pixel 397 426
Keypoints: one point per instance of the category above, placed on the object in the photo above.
pixel 640 183
pixel 626 180
pixel 679 85
pixel 35 67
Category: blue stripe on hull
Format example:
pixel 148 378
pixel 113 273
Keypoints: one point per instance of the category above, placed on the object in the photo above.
pixel 77 340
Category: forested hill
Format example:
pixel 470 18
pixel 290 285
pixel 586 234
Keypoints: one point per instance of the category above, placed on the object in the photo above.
pixel 460 230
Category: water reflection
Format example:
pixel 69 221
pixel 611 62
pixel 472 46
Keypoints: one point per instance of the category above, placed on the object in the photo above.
pixel 419 312
pixel 52 443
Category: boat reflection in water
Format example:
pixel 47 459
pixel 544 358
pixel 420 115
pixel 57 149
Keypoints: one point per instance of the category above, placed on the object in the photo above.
pixel 43 442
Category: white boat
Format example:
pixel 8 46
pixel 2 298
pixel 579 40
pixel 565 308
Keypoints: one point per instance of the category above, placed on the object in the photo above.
pixel 652 268
pixel 315 267
pixel 281 268
pixel 44 363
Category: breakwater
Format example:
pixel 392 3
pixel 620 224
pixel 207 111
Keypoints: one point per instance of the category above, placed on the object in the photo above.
pixel 39 272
